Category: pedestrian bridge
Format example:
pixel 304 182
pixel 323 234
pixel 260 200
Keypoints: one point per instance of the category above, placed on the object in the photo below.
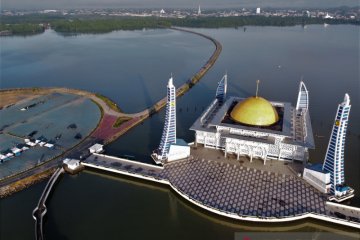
pixel 40 210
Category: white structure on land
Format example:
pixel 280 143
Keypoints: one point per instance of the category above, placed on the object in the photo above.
pixel 255 127
pixel 258 11
pixel 199 11
pixel 317 177
pixel 179 150
pixel 330 177
pixel 96 148
pixel 72 164
pixel 170 148
pixel 327 16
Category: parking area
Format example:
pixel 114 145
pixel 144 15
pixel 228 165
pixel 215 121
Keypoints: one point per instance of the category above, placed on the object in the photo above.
pixel 41 128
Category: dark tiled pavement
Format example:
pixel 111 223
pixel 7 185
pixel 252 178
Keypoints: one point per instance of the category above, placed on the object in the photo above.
pixel 243 191
pixel 231 187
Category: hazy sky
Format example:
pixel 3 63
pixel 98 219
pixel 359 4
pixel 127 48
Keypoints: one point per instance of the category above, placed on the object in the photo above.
pixel 48 4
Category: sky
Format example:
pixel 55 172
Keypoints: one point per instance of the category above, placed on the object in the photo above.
pixel 70 4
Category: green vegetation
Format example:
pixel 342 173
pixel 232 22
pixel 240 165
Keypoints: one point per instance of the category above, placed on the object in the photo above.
pixel 109 102
pixel 31 18
pixel 108 25
pixel 234 22
pixel 29 24
pixel 120 121
pixel 21 29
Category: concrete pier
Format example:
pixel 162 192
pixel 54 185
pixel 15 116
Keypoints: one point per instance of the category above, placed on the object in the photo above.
pixel 126 167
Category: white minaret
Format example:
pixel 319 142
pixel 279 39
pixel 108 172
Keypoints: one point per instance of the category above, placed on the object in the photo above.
pixel 222 89
pixel 199 10
pixel 334 158
pixel 302 103
pixel 169 132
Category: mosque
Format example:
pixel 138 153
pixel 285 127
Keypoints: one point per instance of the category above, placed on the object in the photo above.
pixel 256 127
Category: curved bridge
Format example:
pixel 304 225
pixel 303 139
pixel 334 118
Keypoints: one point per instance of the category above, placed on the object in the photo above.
pixel 40 210
pixel 108 133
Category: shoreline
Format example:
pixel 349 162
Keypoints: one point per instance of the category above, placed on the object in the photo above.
pixel 109 115
pixel 88 24
pixel 24 183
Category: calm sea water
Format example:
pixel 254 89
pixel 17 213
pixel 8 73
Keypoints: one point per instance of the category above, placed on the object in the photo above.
pixel 127 66
pixel 93 205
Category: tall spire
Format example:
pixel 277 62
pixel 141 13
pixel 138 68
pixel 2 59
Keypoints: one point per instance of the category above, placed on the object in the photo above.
pixel 169 132
pixel 302 103
pixel 257 87
pixel 334 158
pixel 199 10
pixel 170 82
pixel 221 89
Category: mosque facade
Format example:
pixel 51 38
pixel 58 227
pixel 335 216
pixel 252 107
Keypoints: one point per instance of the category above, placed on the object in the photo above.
pixel 255 127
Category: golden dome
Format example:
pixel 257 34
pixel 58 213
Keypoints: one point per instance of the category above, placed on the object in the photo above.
pixel 255 111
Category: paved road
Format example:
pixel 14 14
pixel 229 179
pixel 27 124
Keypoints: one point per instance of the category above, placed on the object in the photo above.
pixel 73 153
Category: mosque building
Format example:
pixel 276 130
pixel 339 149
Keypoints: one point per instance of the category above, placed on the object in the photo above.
pixel 255 127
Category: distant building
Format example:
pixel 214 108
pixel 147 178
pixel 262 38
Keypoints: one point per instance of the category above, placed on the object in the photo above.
pixel 256 127
pixel 50 11
pixel 162 11
pixel 199 11
pixel 330 177
pixel 258 11
pixel 327 16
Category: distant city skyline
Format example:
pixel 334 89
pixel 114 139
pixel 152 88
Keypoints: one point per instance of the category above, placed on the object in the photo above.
pixel 68 4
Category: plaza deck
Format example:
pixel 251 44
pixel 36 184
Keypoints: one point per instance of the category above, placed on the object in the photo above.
pixel 244 191
pixel 230 188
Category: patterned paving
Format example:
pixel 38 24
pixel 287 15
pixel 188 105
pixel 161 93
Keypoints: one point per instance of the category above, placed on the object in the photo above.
pixel 229 187
pixel 232 188
pixel 243 191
